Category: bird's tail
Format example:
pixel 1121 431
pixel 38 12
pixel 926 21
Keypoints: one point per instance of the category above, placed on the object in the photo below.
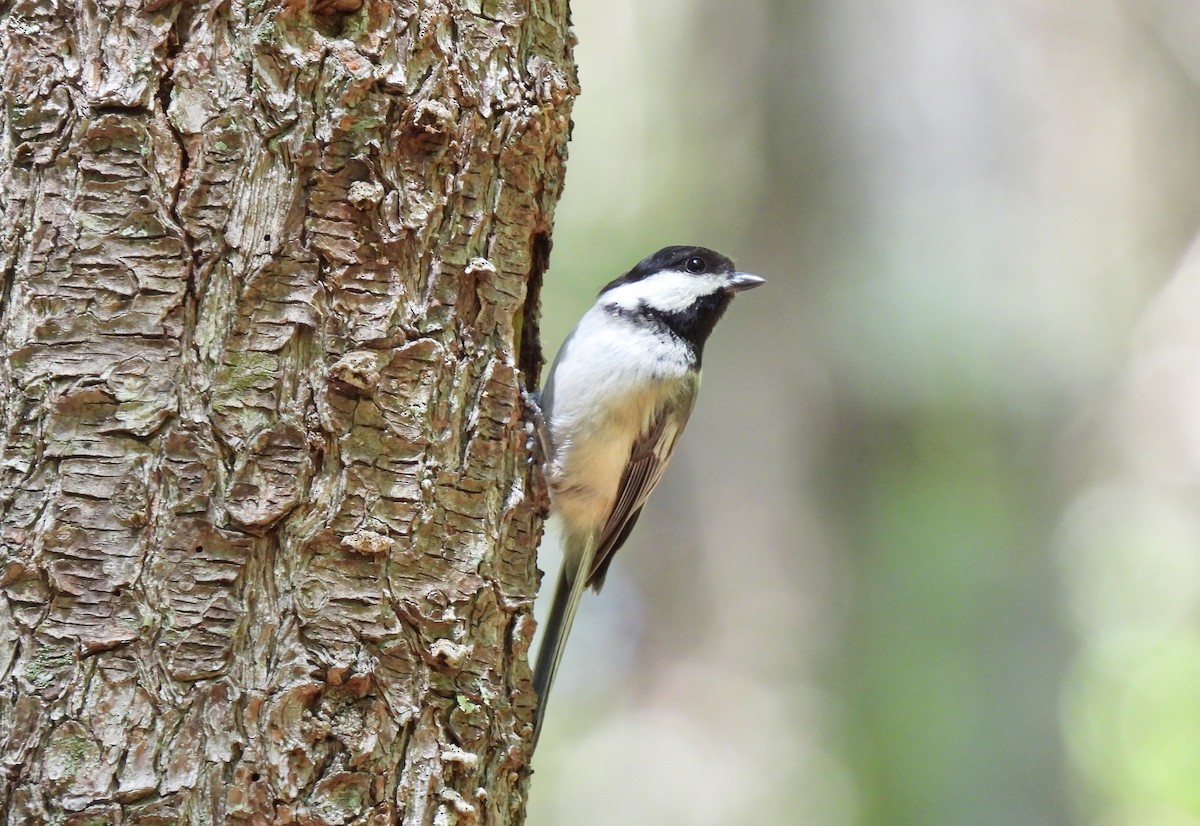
pixel 571 583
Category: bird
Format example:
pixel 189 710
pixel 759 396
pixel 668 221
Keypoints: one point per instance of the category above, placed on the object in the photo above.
pixel 615 402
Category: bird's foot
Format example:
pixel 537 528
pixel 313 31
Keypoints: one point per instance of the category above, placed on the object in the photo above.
pixel 537 433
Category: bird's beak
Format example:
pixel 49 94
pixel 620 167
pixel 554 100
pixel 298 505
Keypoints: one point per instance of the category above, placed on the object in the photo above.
pixel 743 281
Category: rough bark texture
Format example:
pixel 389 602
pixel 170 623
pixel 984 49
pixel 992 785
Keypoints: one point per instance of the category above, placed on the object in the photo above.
pixel 268 519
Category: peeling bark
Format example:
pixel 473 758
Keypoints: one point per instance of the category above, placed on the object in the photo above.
pixel 270 276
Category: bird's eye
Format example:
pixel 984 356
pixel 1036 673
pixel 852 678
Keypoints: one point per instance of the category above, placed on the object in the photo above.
pixel 696 264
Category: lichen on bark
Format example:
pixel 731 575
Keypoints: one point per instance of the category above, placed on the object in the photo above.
pixel 267 511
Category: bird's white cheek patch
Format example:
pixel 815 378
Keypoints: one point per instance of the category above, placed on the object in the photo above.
pixel 670 292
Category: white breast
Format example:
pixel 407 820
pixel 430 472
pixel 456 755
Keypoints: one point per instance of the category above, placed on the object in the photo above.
pixel 606 387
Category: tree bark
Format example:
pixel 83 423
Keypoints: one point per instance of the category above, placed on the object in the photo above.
pixel 270 275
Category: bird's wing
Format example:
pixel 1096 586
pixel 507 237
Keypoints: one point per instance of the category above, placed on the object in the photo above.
pixel 647 460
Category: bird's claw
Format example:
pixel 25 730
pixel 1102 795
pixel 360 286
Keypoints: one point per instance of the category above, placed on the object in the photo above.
pixel 537 433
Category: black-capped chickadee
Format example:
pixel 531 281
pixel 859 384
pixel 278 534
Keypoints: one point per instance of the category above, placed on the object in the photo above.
pixel 617 398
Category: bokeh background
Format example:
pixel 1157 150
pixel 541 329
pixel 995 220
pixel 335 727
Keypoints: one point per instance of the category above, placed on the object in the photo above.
pixel 930 550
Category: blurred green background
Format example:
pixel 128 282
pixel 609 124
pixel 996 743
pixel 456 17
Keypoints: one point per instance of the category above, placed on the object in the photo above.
pixel 930 550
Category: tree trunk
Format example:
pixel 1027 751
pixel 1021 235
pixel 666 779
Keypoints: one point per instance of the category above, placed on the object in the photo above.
pixel 270 275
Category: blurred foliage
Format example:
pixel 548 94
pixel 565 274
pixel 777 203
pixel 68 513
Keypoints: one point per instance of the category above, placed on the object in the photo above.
pixel 930 553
